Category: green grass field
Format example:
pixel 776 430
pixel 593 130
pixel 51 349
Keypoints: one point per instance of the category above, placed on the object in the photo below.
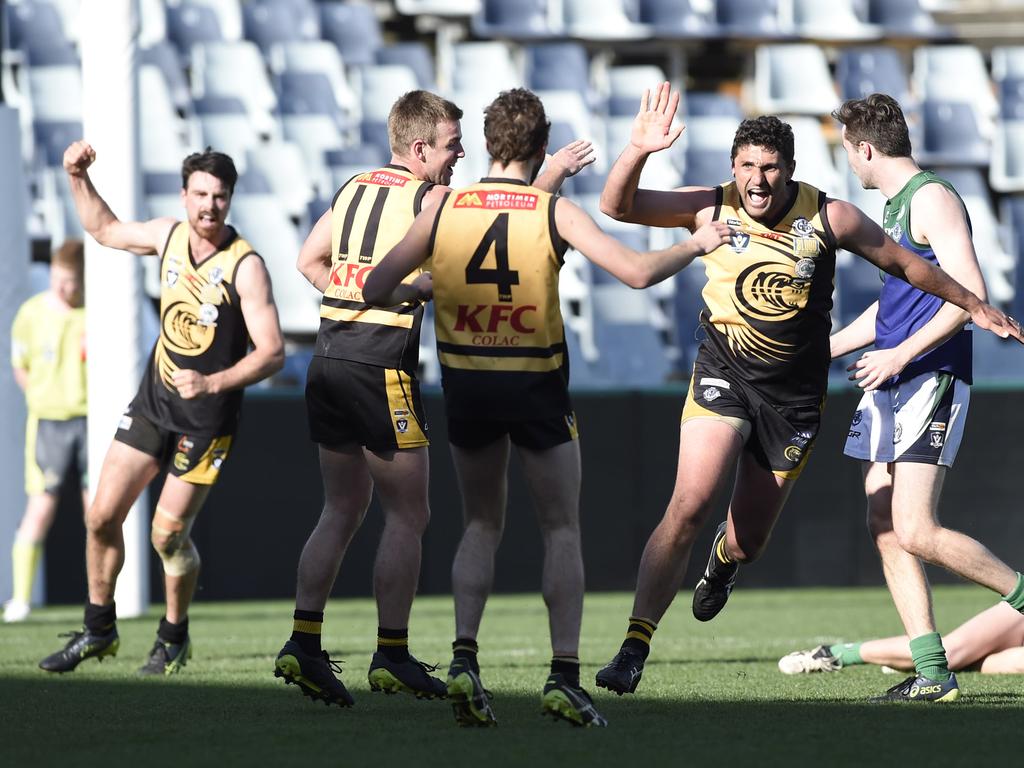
pixel 711 693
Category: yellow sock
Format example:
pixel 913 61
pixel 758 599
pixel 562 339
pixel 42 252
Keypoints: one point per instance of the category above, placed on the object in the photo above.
pixel 25 555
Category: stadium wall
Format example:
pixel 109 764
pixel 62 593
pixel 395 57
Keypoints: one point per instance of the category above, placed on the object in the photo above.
pixel 257 519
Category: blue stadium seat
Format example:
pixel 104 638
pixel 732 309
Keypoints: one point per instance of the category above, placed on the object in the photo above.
pixel 53 137
pixel 750 18
pixel 835 20
pixel 904 18
pixel 607 20
pixel 375 133
pixel 164 57
pixel 307 93
pixel 858 283
pixel 161 183
pixel 353 28
pixel 1011 98
pixel 192 23
pixel 267 22
pixel 676 19
pixel 414 55
pixel 561 66
pixel 367 155
pixel 38 30
pixel 218 105
pixel 1013 218
pixel 951 135
pixel 865 70
pixel 710 104
pixel 686 307
pixel 706 167
pixel 515 19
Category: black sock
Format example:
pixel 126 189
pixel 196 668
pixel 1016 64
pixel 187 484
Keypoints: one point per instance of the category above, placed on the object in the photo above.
pixel 306 630
pixel 100 619
pixel 569 667
pixel 393 643
pixel 466 648
pixel 173 634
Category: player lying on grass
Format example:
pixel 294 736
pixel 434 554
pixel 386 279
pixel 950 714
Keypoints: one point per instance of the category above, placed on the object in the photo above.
pixel 991 641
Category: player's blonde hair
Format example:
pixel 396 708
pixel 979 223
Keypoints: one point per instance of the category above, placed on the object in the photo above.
pixel 416 115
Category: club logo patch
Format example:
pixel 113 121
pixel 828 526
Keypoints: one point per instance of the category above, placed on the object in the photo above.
pixel 711 394
pixel 803 227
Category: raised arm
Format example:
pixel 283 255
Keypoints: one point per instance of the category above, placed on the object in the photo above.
pixel 566 162
pixel 141 237
pixel 634 268
pixel 652 132
pixel 314 260
pixel 267 355
pixel 857 233
pixel 384 286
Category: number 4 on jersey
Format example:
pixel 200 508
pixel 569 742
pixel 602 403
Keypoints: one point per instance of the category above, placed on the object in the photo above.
pixel 500 275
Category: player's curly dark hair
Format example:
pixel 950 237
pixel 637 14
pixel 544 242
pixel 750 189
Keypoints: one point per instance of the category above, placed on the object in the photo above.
pixel 515 126
pixel 766 131
pixel 214 163
pixel 878 120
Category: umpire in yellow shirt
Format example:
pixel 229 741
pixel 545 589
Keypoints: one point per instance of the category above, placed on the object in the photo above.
pixel 48 357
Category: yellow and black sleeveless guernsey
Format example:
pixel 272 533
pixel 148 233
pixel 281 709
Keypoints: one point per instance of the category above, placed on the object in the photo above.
pixel 495 256
pixel 768 297
pixel 370 214
pixel 201 329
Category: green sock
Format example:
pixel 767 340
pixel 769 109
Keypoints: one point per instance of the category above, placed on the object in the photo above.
pixel 847 653
pixel 930 657
pixel 1016 596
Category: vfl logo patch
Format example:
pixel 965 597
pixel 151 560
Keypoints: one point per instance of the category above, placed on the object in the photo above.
pixel 402 425
pixel 857 416
pixel 739 242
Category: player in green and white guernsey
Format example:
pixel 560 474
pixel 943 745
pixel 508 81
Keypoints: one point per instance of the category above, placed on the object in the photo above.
pixel 916 378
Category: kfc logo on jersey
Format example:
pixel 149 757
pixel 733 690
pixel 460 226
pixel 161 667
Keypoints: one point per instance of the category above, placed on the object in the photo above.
pixel 497 200
pixel 347 281
pixel 489 317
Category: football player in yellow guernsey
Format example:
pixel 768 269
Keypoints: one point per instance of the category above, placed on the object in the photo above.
pixel 219 333
pixel 759 381
pixel 363 400
pixel 495 251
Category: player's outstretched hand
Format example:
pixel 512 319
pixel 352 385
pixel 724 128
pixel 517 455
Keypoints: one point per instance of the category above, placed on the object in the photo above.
pixel 652 128
pixel 989 318
pixel 191 384
pixel 573 157
pixel 78 157
pixel 712 235
pixel 424 286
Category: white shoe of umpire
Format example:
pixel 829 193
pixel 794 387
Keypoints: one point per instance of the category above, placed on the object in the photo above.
pixel 16 610
pixel 815 660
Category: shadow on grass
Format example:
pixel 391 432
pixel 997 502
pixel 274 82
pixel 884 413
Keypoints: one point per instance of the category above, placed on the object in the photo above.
pixel 179 721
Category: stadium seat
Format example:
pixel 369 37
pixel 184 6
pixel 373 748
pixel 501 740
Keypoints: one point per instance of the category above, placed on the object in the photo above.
pixel 165 137
pixel 308 93
pixel 314 134
pixel 750 18
pixel 164 57
pixel 793 79
pixel 317 56
pixel 253 182
pixel 267 22
pixel 607 20
pixel 1013 220
pixel 951 135
pixel 956 73
pixel 229 16
pixel 861 71
pixel 437 7
pixel 218 105
pixel 559 67
pixel 367 156
pixel 161 183
pixel 284 168
pixel 37 29
pixel 192 23
pixel 627 83
pixel 232 134
pixel 632 353
pixel 55 93
pixel 1011 98
pixel 1006 174
pixel 53 137
pixel 858 283
pixel 414 55
pixel 262 221
pixel 904 19
pixel 353 28
pixel 814 161
pixel 711 104
pixel 706 167
pixel 841 20
pixel 1007 61
pixel 381 85
pixel 486 66
pixel 515 20
pixel 676 19
pixel 236 69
